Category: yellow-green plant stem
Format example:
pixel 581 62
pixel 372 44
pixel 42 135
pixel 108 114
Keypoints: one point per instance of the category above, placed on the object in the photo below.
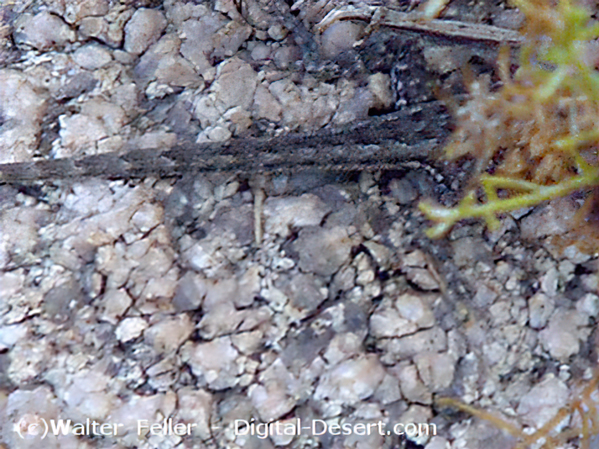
pixel 557 79
pixel 468 208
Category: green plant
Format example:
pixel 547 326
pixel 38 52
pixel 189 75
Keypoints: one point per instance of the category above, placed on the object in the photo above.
pixel 536 137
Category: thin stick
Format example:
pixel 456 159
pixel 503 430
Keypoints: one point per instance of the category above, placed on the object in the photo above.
pixel 381 16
